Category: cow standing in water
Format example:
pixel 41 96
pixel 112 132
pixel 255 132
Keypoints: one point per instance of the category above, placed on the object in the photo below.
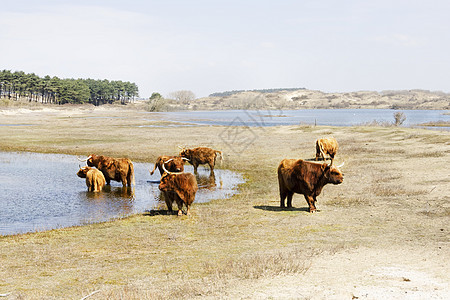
pixel 172 164
pixel 117 169
pixel 307 178
pixel 201 155
pixel 95 181
pixel 180 188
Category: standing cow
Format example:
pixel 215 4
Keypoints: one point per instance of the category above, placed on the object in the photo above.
pixel 326 146
pixel 201 155
pixel 180 188
pixel 307 178
pixel 172 164
pixel 117 169
pixel 95 181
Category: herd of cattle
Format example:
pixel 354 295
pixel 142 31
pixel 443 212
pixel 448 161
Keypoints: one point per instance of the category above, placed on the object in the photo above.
pixel 294 175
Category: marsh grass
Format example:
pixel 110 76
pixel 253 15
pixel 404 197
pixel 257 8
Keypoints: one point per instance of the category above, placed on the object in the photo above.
pixel 259 265
pixel 345 201
pixel 428 154
pixel 246 237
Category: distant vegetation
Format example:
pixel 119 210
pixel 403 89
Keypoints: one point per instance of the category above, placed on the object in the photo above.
pixel 15 85
pixel 229 93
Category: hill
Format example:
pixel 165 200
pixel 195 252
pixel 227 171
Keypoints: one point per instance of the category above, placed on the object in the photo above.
pixel 309 99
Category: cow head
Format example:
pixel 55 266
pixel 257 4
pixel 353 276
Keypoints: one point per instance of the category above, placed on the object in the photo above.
pixel 185 152
pixel 167 182
pixel 90 160
pixel 333 174
pixel 175 164
pixel 83 171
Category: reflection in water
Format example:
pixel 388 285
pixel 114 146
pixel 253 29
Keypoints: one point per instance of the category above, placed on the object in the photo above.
pixel 55 196
pixel 208 181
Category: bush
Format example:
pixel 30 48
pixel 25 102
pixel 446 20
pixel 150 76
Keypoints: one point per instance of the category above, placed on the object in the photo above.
pixel 399 118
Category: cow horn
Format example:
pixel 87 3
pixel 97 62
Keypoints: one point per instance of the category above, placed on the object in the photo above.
pixel 165 170
pixel 84 159
pixel 341 165
pixel 184 158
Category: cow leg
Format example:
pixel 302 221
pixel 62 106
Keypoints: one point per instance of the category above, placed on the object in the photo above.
pixel 282 197
pixel 188 212
pixel 123 178
pixel 211 167
pixel 289 199
pixel 168 198
pixel 195 167
pixel 310 200
pixel 179 204
pixel 169 204
pixel 129 178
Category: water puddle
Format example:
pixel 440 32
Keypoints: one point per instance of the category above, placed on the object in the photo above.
pixel 42 192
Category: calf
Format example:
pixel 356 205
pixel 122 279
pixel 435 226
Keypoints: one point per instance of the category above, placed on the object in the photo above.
pixel 95 181
pixel 326 146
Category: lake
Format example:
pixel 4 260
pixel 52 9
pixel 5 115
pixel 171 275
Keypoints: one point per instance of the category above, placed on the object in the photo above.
pixel 42 192
pixel 327 117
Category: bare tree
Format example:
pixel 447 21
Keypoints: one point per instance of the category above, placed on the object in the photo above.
pixel 182 96
pixel 399 118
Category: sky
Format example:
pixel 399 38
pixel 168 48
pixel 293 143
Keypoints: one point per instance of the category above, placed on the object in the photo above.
pixel 208 46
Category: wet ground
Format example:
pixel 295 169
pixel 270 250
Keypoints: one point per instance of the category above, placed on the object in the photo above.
pixel 42 192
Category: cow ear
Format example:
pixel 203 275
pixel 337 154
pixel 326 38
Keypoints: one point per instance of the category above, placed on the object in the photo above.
pixel 325 166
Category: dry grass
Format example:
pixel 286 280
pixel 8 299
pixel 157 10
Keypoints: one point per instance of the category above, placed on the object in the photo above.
pixel 246 237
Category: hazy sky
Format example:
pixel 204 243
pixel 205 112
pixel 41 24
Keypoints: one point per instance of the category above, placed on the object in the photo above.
pixel 211 46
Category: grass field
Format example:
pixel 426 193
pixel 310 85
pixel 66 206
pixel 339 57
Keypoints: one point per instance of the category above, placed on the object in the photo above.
pixel 391 211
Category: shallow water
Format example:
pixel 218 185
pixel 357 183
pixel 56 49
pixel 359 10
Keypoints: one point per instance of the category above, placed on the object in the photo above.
pixel 42 192
pixel 327 117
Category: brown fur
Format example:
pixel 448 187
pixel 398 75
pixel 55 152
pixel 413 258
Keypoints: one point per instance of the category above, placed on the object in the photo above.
pixel 307 178
pixel 175 165
pixel 180 188
pixel 326 146
pixel 117 169
pixel 95 181
pixel 201 155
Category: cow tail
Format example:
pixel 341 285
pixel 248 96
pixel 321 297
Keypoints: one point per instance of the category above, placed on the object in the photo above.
pixel 221 156
pixel 133 182
pixel 153 171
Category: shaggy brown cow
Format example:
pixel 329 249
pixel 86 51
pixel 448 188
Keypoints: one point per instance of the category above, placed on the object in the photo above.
pixel 172 164
pixel 307 178
pixel 326 146
pixel 95 181
pixel 178 187
pixel 201 155
pixel 117 169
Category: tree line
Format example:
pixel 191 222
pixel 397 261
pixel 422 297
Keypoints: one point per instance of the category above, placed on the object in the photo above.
pixel 18 84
